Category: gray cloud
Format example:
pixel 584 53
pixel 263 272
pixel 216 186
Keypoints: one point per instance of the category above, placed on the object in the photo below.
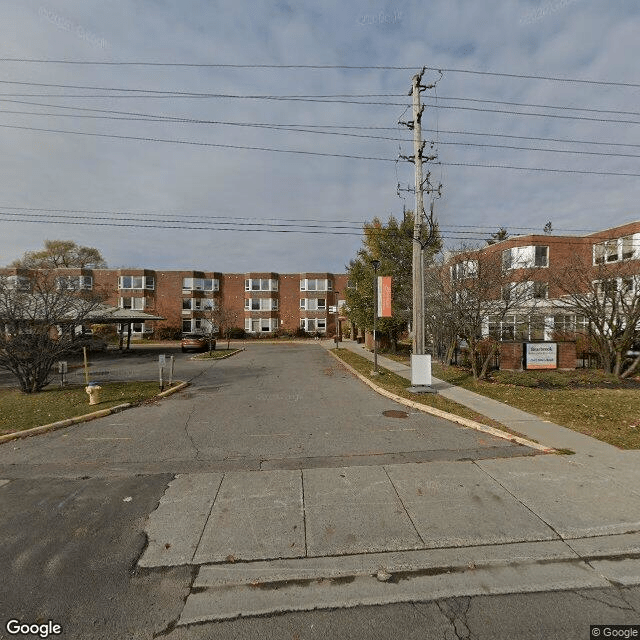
pixel 64 171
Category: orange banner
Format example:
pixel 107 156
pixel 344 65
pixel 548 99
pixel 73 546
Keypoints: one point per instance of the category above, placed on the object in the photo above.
pixel 384 296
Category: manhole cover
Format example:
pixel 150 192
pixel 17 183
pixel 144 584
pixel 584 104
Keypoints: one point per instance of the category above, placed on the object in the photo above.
pixel 394 413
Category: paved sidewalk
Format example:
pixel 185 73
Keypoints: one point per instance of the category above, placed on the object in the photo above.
pixel 280 540
pixel 542 431
pixel 269 541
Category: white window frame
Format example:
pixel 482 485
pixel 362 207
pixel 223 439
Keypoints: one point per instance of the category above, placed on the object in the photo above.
pixel 311 325
pixel 137 303
pixel 146 282
pixel 319 284
pixel 313 304
pixel 20 283
pixel 74 283
pixel 261 284
pixel 265 325
pixel 464 269
pixel 200 284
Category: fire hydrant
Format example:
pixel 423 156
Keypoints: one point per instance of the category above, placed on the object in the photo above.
pixel 94 393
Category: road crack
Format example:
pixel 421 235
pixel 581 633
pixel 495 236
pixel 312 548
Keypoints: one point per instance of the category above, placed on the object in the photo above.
pixel 456 611
pixel 188 434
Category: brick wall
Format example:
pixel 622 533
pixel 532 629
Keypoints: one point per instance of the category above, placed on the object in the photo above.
pixel 511 355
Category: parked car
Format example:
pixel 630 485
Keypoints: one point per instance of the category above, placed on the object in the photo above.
pixel 196 342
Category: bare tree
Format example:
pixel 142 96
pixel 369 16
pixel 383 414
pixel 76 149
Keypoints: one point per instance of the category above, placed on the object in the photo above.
pixel 475 289
pixel 607 297
pixel 225 319
pixel 38 317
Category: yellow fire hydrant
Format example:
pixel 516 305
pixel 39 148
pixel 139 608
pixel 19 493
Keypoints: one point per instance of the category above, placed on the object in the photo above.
pixel 94 393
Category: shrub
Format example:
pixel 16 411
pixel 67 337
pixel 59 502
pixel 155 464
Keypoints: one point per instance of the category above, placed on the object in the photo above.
pixel 168 333
pixel 235 333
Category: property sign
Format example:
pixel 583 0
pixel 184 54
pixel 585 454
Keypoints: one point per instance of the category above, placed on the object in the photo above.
pixel 541 355
pixel 384 296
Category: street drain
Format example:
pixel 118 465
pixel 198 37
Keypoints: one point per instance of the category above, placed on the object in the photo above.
pixel 394 413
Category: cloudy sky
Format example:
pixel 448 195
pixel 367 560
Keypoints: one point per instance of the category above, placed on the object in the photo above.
pixel 194 200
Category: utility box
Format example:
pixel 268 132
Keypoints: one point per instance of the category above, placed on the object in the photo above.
pixel 421 370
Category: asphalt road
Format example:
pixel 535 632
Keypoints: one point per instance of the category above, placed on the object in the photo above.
pixel 74 503
pixel 271 406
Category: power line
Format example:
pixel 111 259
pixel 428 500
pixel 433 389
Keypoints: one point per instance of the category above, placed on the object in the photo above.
pixel 537 138
pixel 329 230
pixel 140 63
pixel 311 153
pixel 546 169
pixel 537 106
pixel 317 131
pixel 183 215
pixel 169 118
pixel 198 144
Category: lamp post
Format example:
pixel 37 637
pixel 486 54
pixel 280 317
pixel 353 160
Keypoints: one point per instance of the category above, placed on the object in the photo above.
pixel 375 264
pixel 337 321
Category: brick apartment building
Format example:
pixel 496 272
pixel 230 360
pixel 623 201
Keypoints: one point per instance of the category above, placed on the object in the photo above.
pixel 542 264
pixel 259 302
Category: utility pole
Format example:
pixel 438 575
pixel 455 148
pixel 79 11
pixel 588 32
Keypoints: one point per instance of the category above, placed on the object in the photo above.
pixel 420 362
pixel 418 288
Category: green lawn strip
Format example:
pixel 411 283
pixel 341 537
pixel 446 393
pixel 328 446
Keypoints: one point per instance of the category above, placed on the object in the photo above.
pixel 398 385
pixel 218 354
pixel 578 400
pixel 22 411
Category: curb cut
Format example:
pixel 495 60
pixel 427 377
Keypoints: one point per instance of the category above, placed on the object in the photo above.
pixel 53 426
pixel 465 422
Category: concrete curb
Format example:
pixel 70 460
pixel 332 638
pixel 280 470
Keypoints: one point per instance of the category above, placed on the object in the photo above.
pixel 53 426
pixel 465 422
pixel 222 358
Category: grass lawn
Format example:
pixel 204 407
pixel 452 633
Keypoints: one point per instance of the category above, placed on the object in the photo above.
pixel 23 411
pixel 587 401
pixel 398 385
pixel 217 354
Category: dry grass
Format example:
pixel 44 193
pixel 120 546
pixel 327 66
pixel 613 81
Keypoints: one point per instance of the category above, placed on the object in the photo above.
pixel 22 411
pixel 589 401
pixel 398 385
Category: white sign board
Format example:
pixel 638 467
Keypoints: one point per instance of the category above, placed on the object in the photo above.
pixel 541 355
pixel 162 359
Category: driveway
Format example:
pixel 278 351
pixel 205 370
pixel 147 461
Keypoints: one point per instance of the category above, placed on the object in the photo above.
pixel 273 406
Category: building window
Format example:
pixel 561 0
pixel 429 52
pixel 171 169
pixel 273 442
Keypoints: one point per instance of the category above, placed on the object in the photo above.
pixel 313 304
pixel 464 269
pixel 74 283
pixel 136 304
pixel 260 284
pixel 200 284
pixel 613 250
pixel 136 282
pixel 260 304
pixel 199 304
pixel 540 290
pixel 313 325
pixel 316 284
pixel 541 257
pixel 260 325
pixel 136 327
pixel 525 257
pixel 20 283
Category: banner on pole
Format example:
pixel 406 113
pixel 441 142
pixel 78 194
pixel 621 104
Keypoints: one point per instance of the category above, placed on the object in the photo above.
pixel 384 296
